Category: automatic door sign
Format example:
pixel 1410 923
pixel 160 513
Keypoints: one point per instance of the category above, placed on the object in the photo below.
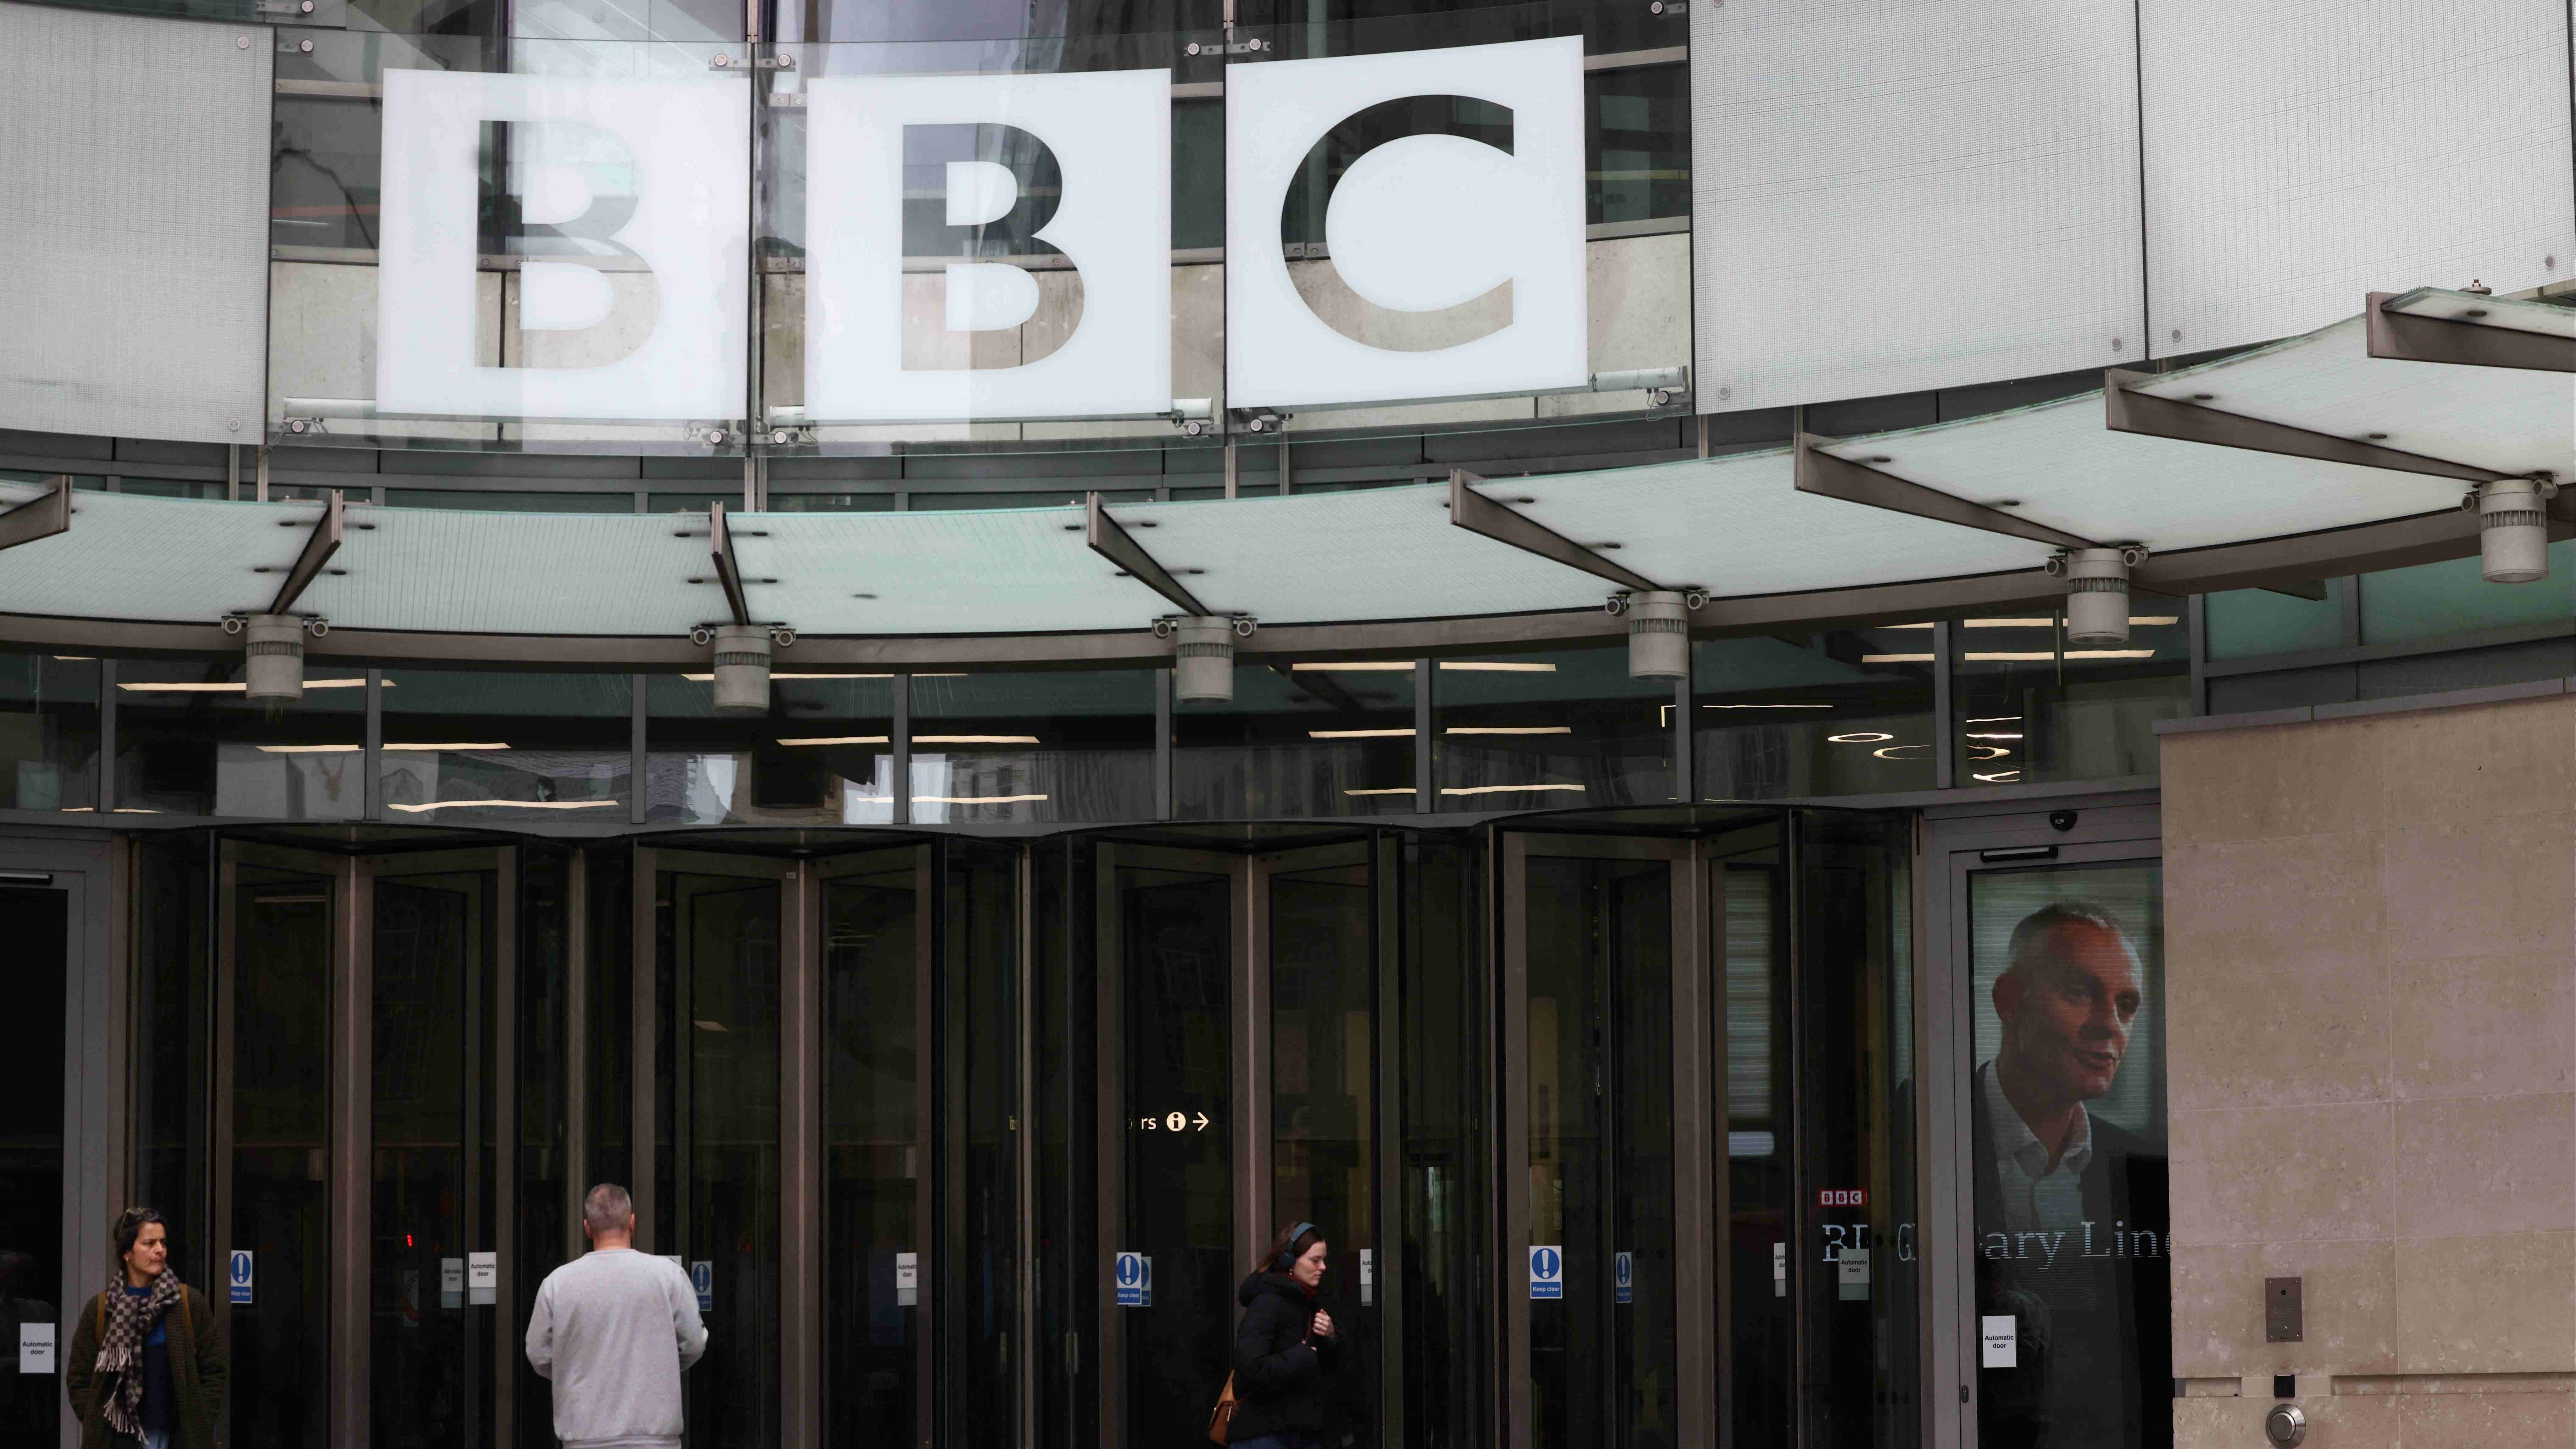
pixel 35 1348
pixel 240 1272
pixel 1851 1275
pixel 1368 1276
pixel 451 1282
pixel 1999 1344
pixel 1779 1270
pixel 1623 1272
pixel 1547 1272
pixel 702 1277
pixel 907 1280
pixel 482 1278
pixel 1135 1281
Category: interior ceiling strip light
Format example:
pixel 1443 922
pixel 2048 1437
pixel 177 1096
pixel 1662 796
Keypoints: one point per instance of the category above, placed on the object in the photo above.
pixel 1355 666
pixel 2043 656
pixel 1359 734
pixel 1896 659
pixel 837 740
pixel 1499 789
pixel 466 745
pixel 1508 729
pixel 978 740
pixel 221 688
pixel 1487 666
pixel 502 805
pixel 308 749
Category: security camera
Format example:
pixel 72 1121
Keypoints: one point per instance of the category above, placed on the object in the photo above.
pixel 2061 819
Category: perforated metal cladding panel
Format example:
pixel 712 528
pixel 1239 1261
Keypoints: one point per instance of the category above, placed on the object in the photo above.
pixel 133 225
pixel 2300 155
pixel 1896 196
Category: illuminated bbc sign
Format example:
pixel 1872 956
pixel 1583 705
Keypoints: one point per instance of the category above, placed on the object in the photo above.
pixel 1455 263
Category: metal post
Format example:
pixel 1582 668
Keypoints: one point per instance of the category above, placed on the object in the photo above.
pixel 348 1181
pixel 105 795
pixel 576 1049
pixel 2196 631
pixel 371 760
pixel 1230 462
pixel 1162 744
pixel 1685 781
pixel 800 1126
pixel 899 789
pixel 1425 790
pixel 636 761
pixel 1945 707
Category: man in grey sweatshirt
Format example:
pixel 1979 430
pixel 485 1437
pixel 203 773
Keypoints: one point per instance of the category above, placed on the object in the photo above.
pixel 613 1329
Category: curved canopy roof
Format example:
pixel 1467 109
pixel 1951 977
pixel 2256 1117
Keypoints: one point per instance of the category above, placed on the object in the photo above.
pixel 2308 457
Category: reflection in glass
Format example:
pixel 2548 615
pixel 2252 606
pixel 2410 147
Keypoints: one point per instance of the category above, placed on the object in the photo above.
pixel 872 1152
pixel 820 756
pixel 1600 1092
pixel 2243 623
pixel 48 732
pixel 979 1064
pixel 717 1166
pixel 281 1341
pixel 1179 1184
pixel 473 747
pixel 1298 740
pixel 37 926
pixel 545 1230
pixel 1842 713
pixel 1053 746
pixel 2067 1106
pixel 1323 1142
pixel 1549 731
pixel 1854 1025
pixel 432 995
pixel 1446 1014
pixel 173 996
pixel 1752 897
pixel 2453 597
pixel 188 743
pixel 2032 707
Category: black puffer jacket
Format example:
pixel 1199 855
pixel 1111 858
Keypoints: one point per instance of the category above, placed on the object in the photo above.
pixel 1283 1380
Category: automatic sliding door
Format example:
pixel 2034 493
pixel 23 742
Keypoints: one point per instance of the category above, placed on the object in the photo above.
pixel 274 1066
pixel 1167 968
pixel 439 977
pixel 1318 930
pixel 719 957
pixel 36 922
pixel 876 971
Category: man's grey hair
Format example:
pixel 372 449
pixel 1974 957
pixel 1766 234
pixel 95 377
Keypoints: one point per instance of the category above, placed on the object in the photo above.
pixel 607 1208
pixel 2038 930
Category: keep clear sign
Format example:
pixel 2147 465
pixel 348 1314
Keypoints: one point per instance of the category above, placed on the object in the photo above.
pixel 1623 1275
pixel 1547 1272
pixel 1135 1274
pixel 240 1273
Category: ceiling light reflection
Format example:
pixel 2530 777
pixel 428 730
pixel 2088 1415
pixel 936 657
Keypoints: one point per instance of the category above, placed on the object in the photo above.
pixel 1861 737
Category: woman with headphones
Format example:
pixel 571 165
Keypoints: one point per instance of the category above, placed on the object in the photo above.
pixel 1285 1351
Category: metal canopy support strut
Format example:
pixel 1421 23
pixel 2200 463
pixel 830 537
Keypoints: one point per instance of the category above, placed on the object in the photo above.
pixel 319 545
pixel 728 568
pixel 1120 547
pixel 39 517
pixel 1476 513
pixel 2413 337
pixel 1827 476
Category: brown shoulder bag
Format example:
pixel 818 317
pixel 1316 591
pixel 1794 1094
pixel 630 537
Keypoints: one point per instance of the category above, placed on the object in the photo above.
pixel 1224 1415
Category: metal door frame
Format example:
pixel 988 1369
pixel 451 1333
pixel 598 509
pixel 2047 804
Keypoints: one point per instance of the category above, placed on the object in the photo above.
pixel 93 876
pixel 1697 1194
pixel 2104 829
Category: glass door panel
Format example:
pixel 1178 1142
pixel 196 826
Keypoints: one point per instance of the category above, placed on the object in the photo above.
pixel 275 970
pixel 980 1242
pixel 436 977
pixel 1320 932
pixel 876 960
pixel 2065 1114
pixel 1600 1149
pixel 1167 965
pixel 37 925
pixel 716 1155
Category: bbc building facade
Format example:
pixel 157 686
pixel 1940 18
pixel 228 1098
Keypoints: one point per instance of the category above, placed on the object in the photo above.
pixel 1838 725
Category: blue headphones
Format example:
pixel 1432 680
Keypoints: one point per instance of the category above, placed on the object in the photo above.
pixel 1288 1255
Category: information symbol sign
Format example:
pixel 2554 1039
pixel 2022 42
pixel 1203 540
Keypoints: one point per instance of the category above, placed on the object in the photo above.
pixel 240 1273
pixel 1547 1272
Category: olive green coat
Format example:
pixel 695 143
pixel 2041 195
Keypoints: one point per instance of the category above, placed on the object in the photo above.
pixel 198 1373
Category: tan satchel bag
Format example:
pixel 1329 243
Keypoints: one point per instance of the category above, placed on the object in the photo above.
pixel 1224 1415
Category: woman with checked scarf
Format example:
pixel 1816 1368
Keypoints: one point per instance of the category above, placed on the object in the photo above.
pixel 146 1367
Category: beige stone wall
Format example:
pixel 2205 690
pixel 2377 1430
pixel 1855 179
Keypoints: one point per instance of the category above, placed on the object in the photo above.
pixel 2371 995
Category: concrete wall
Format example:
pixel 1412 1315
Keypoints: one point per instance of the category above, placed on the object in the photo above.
pixel 2371 948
